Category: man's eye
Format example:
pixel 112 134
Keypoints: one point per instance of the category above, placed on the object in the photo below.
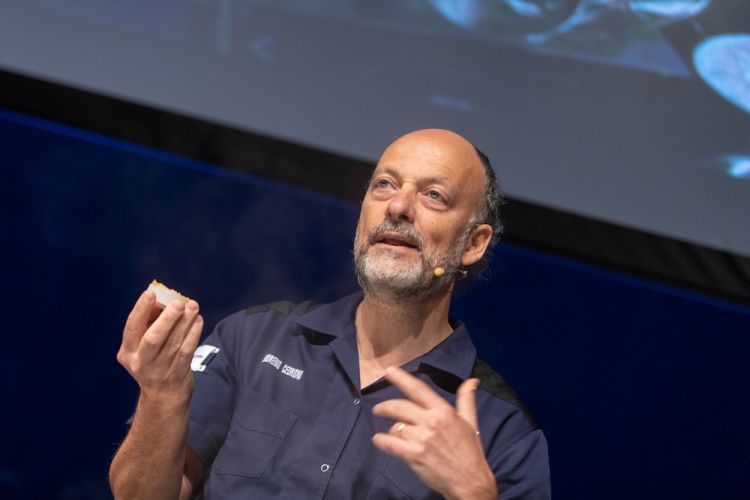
pixel 435 195
pixel 382 183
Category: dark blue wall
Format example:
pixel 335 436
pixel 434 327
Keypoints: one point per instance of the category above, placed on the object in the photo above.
pixel 642 389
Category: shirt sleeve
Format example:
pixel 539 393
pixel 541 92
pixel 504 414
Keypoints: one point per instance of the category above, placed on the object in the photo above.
pixel 211 407
pixel 522 471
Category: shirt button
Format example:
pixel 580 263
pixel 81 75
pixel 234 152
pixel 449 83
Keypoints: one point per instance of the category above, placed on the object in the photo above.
pixel 356 402
pixel 325 467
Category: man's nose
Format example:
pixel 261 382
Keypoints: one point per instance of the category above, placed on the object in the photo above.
pixel 401 205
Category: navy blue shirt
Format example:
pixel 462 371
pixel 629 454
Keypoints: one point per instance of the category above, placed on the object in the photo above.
pixel 278 411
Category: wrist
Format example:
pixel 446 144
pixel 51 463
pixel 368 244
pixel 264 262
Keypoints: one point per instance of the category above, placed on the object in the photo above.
pixel 168 393
pixel 482 487
pixel 163 403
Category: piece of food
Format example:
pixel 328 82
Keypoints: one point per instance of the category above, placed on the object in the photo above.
pixel 164 294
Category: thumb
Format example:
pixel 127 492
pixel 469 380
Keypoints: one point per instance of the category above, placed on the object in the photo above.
pixel 466 405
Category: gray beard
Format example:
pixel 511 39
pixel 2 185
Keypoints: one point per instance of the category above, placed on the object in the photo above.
pixel 391 277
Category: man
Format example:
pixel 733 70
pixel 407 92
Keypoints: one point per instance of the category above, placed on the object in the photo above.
pixel 305 401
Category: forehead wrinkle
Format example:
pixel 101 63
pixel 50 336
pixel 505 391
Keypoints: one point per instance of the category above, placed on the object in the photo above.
pixel 435 150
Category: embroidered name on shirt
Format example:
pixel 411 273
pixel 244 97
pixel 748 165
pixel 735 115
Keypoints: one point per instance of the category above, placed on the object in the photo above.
pixel 295 373
pixel 287 370
pixel 272 360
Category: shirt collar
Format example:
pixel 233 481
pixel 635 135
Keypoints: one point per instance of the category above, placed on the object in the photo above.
pixel 335 319
pixel 455 355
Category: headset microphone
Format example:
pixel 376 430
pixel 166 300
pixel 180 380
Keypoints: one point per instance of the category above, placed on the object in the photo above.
pixel 440 272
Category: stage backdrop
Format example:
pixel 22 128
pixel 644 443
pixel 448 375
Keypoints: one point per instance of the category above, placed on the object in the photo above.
pixel 641 389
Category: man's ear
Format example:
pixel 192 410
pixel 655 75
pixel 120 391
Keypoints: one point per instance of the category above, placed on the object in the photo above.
pixel 477 245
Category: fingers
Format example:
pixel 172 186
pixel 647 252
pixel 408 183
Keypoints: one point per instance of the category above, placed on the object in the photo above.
pixel 466 402
pixel 138 320
pixel 401 410
pixel 184 355
pixel 414 389
pixel 411 432
pixel 154 338
pixel 394 445
pixel 176 337
pixel 397 428
pixel 192 338
pixel 156 310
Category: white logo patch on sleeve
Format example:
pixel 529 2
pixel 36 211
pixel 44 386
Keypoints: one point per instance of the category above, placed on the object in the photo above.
pixel 202 357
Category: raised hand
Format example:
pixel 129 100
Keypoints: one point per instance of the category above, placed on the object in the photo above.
pixel 439 442
pixel 157 346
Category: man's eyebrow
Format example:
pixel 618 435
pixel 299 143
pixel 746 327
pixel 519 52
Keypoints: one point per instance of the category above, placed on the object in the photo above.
pixel 386 170
pixel 427 180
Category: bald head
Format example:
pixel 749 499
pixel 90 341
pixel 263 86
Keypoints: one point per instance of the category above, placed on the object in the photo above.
pixel 438 137
pixel 443 149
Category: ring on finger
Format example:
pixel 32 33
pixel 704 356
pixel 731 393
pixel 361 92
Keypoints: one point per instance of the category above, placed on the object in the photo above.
pixel 400 426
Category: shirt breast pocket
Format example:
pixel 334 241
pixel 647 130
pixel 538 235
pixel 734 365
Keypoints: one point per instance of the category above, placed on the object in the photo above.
pixel 257 430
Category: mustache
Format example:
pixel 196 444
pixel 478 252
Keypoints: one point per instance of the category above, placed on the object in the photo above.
pixel 402 228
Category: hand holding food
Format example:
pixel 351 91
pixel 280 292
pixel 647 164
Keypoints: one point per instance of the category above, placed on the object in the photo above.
pixel 158 345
